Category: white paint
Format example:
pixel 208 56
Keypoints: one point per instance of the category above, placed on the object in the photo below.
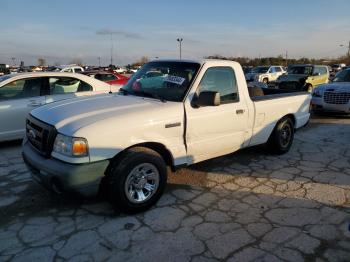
pixel 112 123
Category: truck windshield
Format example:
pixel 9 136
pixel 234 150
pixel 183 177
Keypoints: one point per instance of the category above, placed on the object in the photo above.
pixel 343 76
pixel 164 80
pixel 300 70
pixel 260 69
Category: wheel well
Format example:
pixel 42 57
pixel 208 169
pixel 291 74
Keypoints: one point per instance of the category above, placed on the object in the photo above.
pixel 158 147
pixel 292 117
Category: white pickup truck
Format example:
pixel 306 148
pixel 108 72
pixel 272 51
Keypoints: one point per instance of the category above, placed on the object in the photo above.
pixel 122 143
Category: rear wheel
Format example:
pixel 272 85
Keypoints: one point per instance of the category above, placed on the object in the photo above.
pixel 282 136
pixel 137 181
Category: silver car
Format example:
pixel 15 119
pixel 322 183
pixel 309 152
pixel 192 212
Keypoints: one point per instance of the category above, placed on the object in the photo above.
pixel 20 93
pixel 334 96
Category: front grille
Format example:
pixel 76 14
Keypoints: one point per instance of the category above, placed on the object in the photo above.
pixel 336 98
pixel 292 85
pixel 40 135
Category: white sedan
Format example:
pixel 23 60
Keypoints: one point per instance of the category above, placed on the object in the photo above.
pixel 20 93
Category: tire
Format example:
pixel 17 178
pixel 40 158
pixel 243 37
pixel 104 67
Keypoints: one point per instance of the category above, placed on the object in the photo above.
pixel 282 137
pixel 265 81
pixel 309 88
pixel 137 181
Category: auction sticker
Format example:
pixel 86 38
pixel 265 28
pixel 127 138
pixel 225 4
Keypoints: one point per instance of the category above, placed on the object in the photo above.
pixel 175 79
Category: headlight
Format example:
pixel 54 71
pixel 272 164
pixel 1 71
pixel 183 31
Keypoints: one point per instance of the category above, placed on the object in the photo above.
pixel 70 146
pixel 316 93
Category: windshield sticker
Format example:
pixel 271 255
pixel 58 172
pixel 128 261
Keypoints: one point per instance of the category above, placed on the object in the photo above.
pixel 175 79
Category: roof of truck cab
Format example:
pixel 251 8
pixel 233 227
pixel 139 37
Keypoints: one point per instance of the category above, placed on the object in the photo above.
pixel 199 61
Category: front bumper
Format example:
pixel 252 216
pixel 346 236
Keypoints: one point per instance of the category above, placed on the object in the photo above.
pixel 60 176
pixel 317 104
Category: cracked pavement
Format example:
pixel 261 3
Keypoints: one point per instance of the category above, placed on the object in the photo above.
pixel 241 207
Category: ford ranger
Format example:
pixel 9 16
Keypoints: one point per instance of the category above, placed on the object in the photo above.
pixel 123 143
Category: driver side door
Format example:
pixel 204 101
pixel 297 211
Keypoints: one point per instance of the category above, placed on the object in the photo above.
pixel 216 130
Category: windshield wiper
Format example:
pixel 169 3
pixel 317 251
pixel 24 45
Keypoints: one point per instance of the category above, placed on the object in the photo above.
pixel 142 92
pixel 151 95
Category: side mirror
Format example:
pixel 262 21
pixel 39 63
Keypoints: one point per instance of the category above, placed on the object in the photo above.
pixel 206 98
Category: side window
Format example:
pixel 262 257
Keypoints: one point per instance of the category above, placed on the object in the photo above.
pixel 66 85
pixel 222 80
pixel 323 70
pixel 278 69
pixel 105 77
pixel 23 88
pixel 316 70
pixel 272 70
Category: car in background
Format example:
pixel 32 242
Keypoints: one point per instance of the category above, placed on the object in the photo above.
pixel 247 69
pixel 120 70
pixel 303 77
pixel 66 69
pixel 108 77
pixel 264 74
pixel 335 96
pixel 4 69
pixel 20 93
pixel 337 67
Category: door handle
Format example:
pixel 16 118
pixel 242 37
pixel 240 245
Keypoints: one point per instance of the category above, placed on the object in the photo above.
pixel 239 111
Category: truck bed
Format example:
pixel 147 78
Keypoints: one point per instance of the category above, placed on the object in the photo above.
pixel 270 105
pixel 269 93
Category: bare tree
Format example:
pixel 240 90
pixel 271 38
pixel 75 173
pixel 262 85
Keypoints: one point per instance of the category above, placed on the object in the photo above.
pixel 41 62
pixel 143 60
pixel 77 61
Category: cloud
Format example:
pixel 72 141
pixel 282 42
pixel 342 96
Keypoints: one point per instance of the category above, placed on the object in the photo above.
pixel 126 34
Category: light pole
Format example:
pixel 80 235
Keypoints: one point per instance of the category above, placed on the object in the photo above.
pixel 180 44
pixel 111 48
pixel 99 61
pixel 348 53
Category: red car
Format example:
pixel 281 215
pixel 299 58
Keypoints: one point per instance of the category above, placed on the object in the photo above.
pixel 109 77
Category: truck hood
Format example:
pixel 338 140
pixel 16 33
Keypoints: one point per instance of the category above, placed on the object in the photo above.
pixel 70 115
pixel 291 78
pixel 335 87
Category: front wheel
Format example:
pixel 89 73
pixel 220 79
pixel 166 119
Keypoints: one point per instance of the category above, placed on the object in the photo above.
pixel 309 88
pixel 265 80
pixel 137 181
pixel 282 136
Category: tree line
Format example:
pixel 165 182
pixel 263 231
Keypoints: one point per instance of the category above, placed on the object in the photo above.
pixel 280 60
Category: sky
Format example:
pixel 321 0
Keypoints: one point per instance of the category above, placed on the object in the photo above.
pixel 61 31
